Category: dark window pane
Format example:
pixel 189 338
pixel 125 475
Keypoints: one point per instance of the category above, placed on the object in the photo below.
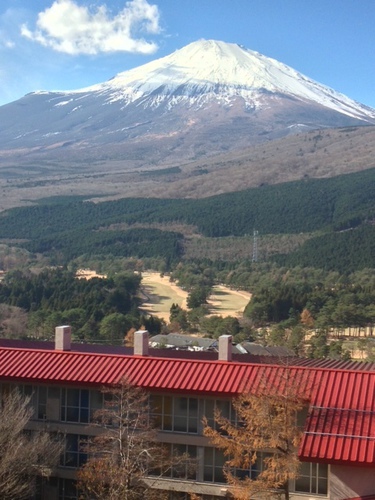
pixel 322 470
pixel 208 474
pixel 322 486
pixel 193 406
pixel 208 456
pixel 180 424
pixel 72 415
pixel 71 459
pixel 42 395
pixel 193 425
pixel 167 423
pixel 85 398
pixel 84 415
pixel 303 484
pixel 219 475
pixel 72 398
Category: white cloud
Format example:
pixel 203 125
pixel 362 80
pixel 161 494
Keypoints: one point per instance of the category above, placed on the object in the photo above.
pixel 73 29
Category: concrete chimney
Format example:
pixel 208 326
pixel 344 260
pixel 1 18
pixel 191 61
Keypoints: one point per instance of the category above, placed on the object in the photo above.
pixel 141 343
pixel 225 348
pixel 63 338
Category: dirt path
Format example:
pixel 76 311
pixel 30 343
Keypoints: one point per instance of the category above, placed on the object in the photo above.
pixel 159 294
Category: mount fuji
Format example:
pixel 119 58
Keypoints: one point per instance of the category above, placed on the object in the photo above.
pixel 206 98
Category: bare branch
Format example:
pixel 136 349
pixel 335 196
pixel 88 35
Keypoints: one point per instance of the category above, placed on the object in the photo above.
pixel 23 456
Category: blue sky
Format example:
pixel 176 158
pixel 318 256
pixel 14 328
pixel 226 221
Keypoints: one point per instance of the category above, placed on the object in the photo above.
pixel 69 44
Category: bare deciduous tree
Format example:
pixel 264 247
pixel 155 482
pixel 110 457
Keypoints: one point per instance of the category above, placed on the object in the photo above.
pixel 24 455
pixel 13 321
pixel 125 459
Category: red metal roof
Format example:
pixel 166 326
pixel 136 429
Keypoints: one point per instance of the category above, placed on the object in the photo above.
pixel 341 423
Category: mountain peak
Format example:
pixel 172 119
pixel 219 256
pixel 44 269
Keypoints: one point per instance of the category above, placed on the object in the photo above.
pixel 223 71
pixel 203 99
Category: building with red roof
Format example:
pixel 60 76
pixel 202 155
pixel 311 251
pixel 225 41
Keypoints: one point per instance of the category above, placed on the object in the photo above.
pixel 337 450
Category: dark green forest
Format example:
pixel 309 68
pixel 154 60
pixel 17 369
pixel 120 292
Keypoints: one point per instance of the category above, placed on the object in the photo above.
pixel 334 301
pixel 338 212
pixel 99 309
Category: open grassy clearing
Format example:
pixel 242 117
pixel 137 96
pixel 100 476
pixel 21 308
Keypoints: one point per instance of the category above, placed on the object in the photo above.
pixel 159 294
pixel 227 302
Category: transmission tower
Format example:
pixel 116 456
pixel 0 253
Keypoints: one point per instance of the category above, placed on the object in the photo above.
pixel 255 246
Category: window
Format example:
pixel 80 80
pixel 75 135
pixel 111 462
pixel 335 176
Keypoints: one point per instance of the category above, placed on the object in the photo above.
pixel 256 468
pixel 177 414
pixel 185 465
pixel 74 454
pixel 96 402
pixel 313 478
pixel 178 462
pixel 224 407
pixel 75 405
pixel 38 400
pixel 67 489
pixel 185 415
pixel 41 397
pixel 214 461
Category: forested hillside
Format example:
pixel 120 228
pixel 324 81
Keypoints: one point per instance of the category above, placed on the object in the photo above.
pixel 313 266
pixel 337 213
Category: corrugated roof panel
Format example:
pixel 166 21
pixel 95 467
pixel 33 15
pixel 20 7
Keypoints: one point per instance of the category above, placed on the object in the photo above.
pixel 341 423
pixel 67 369
pixel 340 435
pixel 177 375
pixel 199 374
pixel 102 370
pixel 225 378
pixel 356 451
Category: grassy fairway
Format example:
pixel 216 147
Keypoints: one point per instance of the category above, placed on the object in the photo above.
pixel 159 294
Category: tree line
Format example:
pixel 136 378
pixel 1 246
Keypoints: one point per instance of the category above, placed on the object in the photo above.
pixel 99 309
pixel 339 211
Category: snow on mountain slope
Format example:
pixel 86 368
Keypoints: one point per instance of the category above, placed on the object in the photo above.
pixel 206 98
pixel 208 69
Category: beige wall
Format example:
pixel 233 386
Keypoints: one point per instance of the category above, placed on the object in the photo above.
pixel 349 482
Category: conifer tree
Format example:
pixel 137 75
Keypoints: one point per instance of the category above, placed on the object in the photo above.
pixel 261 447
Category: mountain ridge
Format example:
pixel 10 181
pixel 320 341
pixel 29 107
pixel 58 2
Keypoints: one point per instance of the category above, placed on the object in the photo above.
pixel 315 154
pixel 116 131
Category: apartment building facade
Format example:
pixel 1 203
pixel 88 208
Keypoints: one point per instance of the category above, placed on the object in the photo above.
pixel 337 451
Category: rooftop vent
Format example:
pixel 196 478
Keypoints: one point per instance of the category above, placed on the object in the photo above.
pixel 63 338
pixel 225 348
pixel 141 343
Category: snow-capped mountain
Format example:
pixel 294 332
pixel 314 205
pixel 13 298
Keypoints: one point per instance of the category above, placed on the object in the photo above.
pixel 207 97
pixel 210 70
